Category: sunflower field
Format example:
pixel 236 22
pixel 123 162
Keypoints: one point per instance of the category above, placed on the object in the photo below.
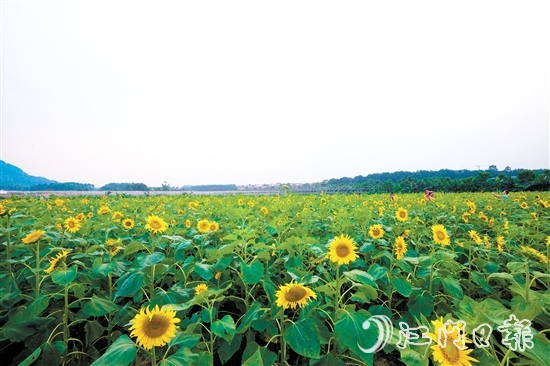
pixel 461 279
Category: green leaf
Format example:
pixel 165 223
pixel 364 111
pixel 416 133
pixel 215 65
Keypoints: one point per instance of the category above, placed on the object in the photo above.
pixel 98 306
pixel 18 328
pixel 377 271
pixel 540 353
pixel 413 358
pixel 361 276
pixel 204 270
pixel 185 340
pixel 255 359
pixel 253 313
pixel 402 285
pixel 224 328
pixel 329 360
pixel 32 357
pixel 122 352
pixel 64 277
pixel 479 279
pixel 51 352
pixel 183 357
pixel 452 287
pixel 303 338
pixel 130 284
pixel 133 247
pixel 93 330
pixel 350 332
pixel 253 273
pixel 228 349
pixel 37 307
pixel 152 259
pixel 420 304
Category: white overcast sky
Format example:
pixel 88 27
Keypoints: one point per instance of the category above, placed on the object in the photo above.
pixel 211 92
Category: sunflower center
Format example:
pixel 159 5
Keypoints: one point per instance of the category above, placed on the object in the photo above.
pixel 451 353
pixel 440 235
pixel 155 224
pixel 402 214
pixel 71 224
pixel 295 294
pixel 156 327
pixel 375 232
pixel 342 250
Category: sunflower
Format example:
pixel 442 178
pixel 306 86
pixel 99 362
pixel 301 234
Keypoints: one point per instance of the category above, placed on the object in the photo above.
pixel 400 247
pixel 548 240
pixel 475 236
pixel 111 242
pixel 201 288
pixel 55 260
pixel 401 214
pixel 188 223
pixel 449 337
pixel 117 215
pixel 32 237
pixel 214 226
pixel 156 225
pixel 59 202
pixel 500 243
pixel 342 250
pixel 72 225
pixel 193 205
pixel 90 215
pixel 203 226
pixel 103 210
pixel 293 294
pixel 376 231
pixel 240 202
pixel 524 205
pixel 472 207
pixel 128 223
pixel 465 217
pixel 114 250
pixel 154 327
pixel 180 212
pixel 81 217
pixel 541 257
pixel 440 235
pixel 264 210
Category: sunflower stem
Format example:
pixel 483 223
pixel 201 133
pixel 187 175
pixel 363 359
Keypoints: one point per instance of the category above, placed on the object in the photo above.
pixel 527 284
pixel 37 272
pixel 153 357
pixel 66 322
pixel 283 340
pixel 8 246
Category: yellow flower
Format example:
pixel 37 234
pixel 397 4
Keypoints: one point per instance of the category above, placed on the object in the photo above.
pixel 203 226
pixel 486 241
pixel 114 250
pixel 193 205
pixel 103 210
pixel 117 215
pixel 500 243
pixel 264 210
pixel 214 226
pixel 112 242
pixel 376 231
pixel 81 217
pixel 381 211
pixel 154 328
pixel 250 204
pixel 128 223
pixel 292 295
pixel 482 216
pixel 548 240
pixel 342 250
pixel 72 225
pixel 465 217
pixel 240 202
pixel 475 236
pixel 32 237
pixel 59 202
pixel 541 257
pixel 400 247
pixel 90 215
pixel 55 260
pixel 524 205
pixel 188 223
pixel 200 288
pixel 217 275
pixel 180 212
pixel 156 225
pixel 449 337
pixel 440 235
pixel 401 214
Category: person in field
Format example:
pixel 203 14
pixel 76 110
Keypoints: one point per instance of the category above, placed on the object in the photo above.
pixel 429 194
pixel 504 195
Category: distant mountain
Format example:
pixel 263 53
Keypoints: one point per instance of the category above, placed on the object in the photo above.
pixel 14 179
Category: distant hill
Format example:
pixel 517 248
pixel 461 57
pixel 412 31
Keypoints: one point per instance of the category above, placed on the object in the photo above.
pixel 12 178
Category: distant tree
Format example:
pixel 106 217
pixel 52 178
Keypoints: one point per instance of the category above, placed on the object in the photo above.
pixel 507 169
pixel 124 187
pixel 493 168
